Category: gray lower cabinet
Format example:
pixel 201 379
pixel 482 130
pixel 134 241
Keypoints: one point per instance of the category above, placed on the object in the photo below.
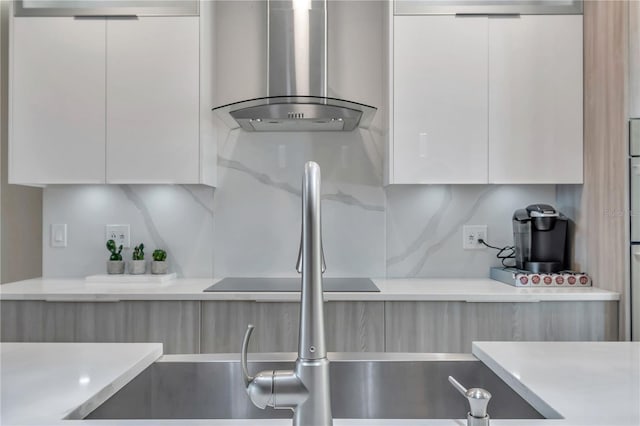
pixel 452 326
pixel 350 326
pixel 176 324
pixel 218 326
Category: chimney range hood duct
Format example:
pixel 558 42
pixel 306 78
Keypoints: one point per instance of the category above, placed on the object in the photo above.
pixel 297 64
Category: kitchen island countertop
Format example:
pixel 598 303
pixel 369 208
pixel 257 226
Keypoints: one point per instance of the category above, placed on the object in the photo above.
pixel 586 383
pixel 415 289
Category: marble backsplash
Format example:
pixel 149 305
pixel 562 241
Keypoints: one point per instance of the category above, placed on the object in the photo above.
pixel 178 218
pixel 250 225
pixel 424 226
pixel 257 204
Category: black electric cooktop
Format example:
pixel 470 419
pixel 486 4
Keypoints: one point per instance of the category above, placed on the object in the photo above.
pixel 239 284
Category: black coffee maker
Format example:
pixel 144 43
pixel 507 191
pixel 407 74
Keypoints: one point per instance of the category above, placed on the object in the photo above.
pixel 540 237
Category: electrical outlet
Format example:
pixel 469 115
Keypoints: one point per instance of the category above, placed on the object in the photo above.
pixel 118 233
pixel 471 234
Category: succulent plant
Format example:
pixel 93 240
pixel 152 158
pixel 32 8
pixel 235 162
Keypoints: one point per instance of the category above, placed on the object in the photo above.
pixel 159 255
pixel 115 255
pixel 138 252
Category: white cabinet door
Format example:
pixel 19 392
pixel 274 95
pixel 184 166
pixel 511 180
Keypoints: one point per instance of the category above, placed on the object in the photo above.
pixel 57 132
pixel 535 99
pixel 440 99
pixel 152 100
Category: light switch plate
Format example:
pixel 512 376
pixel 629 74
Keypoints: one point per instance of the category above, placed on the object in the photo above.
pixel 58 235
pixel 121 234
pixel 422 145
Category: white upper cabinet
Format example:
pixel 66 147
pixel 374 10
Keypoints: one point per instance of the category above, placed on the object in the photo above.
pixel 152 100
pixel 110 100
pixel 440 99
pixel 57 92
pixel 535 99
pixel 486 99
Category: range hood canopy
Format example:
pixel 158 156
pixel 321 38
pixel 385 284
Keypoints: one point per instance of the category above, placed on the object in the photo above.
pixel 297 64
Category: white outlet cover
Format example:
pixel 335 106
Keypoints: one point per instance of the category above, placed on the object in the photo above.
pixel 470 236
pixel 121 234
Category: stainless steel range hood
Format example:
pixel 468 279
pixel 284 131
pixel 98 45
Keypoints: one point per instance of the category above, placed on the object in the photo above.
pixel 297 78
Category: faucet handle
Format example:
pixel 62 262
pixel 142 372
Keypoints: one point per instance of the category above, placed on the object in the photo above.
pixel 243 356
pixel 261 387
pixel 478 400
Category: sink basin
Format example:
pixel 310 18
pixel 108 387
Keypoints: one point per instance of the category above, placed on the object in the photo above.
pixel 363 386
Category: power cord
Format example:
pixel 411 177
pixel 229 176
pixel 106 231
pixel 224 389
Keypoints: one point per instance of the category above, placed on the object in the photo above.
pixel 504 253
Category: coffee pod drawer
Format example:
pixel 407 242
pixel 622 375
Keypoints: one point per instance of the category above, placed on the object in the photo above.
pixel 520 278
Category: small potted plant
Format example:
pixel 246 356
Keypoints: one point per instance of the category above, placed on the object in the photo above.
pixel 137 265
pixel 159 264
pixel 115 265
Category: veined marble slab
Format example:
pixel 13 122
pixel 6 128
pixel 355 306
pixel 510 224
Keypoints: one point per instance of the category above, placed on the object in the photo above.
pixel 176 218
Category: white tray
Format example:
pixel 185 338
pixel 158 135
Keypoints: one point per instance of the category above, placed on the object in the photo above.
pixel 130 279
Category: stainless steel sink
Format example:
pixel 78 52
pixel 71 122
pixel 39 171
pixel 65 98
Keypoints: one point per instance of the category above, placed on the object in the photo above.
pixel 363 386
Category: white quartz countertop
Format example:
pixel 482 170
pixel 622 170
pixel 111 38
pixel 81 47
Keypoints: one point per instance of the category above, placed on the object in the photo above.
pixel 432 289
pixel 587 384
pixel 43 383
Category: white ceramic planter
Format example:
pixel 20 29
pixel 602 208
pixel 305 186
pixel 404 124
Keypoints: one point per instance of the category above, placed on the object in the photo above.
pixel 115 267
pixel 158 268
pixel 137 267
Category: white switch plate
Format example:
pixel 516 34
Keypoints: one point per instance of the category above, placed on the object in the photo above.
pixel 121 234
pixel 470 236
pixel 422 145
pixel 58 235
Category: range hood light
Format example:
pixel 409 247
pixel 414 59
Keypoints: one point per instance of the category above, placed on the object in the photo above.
pixel 301 4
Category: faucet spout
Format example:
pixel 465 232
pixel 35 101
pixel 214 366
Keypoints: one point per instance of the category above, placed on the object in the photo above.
pixel 306 389
pixel 311 339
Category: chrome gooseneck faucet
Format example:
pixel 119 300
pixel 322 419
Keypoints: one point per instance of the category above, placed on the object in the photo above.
pixel 305 390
